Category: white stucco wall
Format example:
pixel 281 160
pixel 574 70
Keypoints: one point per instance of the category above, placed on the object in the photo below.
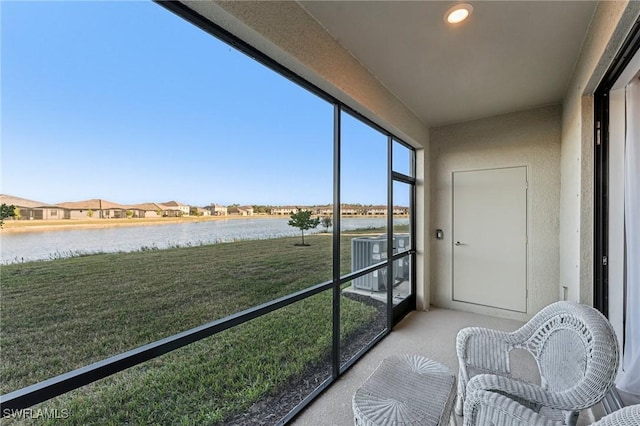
pixel 610 25
pixel 529 138
pixel 423 214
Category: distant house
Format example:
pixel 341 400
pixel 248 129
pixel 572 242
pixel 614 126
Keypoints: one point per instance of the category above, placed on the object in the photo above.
pixel 400 211
pixel 217 210
pixel 350 210
pixel 147 210
pixel 172 206
pixel 284 210
pixel 241 210
pixel 200 211
pixel 94 209
pixel 323 210
pixel 34 210
pixel 377 211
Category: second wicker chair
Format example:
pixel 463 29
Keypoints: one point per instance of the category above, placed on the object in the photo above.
pixel 574 347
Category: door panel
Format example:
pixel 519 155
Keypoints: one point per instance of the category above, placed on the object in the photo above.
pixel 490 237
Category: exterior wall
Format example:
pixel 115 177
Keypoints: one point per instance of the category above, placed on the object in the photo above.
pixel 530 138
pixel 377 211
pixel 82 214
pixel 325 211
pixel 41 213
pixel 216 210
pixel 171 212
pixel 53 213
pixel 285 211
pixel 611 23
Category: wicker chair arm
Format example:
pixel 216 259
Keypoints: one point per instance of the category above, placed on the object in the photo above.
pixel 484 351
pixel 626 416
pixel 525 391
pixel 485 348
pixel 490 408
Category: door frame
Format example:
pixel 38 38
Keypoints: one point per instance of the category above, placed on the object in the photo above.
pixel 601 169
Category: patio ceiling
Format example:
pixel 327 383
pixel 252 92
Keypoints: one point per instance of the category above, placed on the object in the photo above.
pixel 508 56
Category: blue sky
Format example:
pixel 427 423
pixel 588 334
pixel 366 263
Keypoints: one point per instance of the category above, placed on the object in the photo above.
pixel 127 102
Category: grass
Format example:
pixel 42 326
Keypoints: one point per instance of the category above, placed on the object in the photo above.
pixel 211 380
pixel 67 313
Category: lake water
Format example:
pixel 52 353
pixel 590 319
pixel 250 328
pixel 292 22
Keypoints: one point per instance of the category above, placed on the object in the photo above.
pixel 45 245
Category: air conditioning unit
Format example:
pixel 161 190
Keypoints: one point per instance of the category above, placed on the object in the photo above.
pixel 401 268
pixel 367 251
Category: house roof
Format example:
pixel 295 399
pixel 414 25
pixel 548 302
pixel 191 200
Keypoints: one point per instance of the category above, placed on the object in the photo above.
pixel 173 204
pixel 21 202
pixel 151 207
pixel 289 208
pixel 93 204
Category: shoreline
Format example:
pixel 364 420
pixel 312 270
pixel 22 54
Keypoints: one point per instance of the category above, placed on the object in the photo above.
pixel 21 226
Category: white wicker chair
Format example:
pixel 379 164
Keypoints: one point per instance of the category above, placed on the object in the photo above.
pixel 575 349
pixel 487 408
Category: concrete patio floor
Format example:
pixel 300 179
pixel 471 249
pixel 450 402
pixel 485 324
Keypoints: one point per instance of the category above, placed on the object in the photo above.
pixel 431 334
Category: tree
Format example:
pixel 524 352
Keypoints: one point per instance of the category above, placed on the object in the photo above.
pixel 16 213
pixel 5 212
pixel 303 221
pixel 326 222
pixel 90 213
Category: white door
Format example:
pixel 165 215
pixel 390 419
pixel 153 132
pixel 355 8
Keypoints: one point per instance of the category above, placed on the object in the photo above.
pixel 490 237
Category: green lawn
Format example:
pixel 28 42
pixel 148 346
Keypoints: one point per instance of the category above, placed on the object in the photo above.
pixel 64 314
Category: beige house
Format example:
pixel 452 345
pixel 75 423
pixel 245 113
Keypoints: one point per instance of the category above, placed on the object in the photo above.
pixel 376 211
pixel 400 211
pixel 351 210
pixel 323 210
pixel 285 210
pixel 173 206
pixel 95 209
pixel 217 210
pixel 241 210
pixel 200 211
pixel 148 210
pixel 34 210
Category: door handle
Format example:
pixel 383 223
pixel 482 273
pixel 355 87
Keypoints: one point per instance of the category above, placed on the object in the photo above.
pixel 458 243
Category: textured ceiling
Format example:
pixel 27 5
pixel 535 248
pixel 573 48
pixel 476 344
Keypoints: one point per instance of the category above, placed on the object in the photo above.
pixel 508 56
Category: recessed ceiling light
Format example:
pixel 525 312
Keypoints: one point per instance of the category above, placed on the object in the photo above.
pixel 458 13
